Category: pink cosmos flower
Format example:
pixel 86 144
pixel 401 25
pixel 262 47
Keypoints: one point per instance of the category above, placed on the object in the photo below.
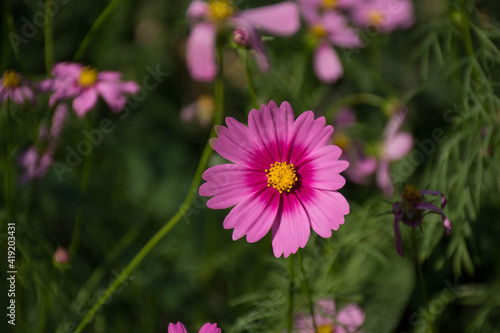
pixel 281 19
pixel 16 88
pixel 384 15
pixel 412 209
pixel 285 177
pixel 329 28
pixel 348 319
pixel 85 84
pixel 179 328
pixel 395 145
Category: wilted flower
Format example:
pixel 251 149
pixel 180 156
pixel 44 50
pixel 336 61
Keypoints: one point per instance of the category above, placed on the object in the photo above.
pixel 179 328
pixel 84 84
pixel 412 209
pixel 201 110
pixel 383 15
pixel 208 17
pixel 348 319
pixel 285 177
pixel 16 88
pixel 61 256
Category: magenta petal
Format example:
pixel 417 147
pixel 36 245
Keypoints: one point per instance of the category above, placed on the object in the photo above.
pixel 339 32
pixel 58 120
pixel 398 146
pixel 443 198
pixel 432 208
pixel 291 230
pixel 351 317
pixel 327 65
pixel 326 306
pixel 278 19
pixel 254 216
pixel 197 10
pixel 210 328
pixel 176 328
pixel 112 94
pixel 85 101
pixel 200 52
pixel 68 70
pixel 109 76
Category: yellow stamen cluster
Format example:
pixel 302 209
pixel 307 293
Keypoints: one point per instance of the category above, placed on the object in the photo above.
pixel 329 4
pixel 282 176
pixel 318 30
pixel 341 140
pixel 325 329
pixel 410 193
pixel 376 18
pixel 88 76
pixel 10 79
pixel 221 9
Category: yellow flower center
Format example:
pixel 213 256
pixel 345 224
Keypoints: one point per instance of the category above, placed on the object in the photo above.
pixel 329 4
pixel 376 18
pixel 10 79
pixel 282 176
pixel 318 30
pixel 325 329
pixel 341 140
pixel 221 9
pixel 88 76
pixel 410 193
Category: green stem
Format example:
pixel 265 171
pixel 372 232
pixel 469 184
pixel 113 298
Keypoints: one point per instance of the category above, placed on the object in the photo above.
pixel 219 95
pixel 49 38
pixel 251 85
pixel 8 169
pixel 468 40
pixel 308 291
pixel 77 228
pixel 46 303
pixel 422 282
pixel 95 27
pixel 354 99
pixel 290 294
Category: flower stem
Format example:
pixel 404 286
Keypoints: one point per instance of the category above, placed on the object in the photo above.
pixel 93 30
pixel 308 291
pixel 422 282
pixel 290 294
pixel 49 37
pixel 251 85
pixel 8 169
pixel 219 99
pixel 77 228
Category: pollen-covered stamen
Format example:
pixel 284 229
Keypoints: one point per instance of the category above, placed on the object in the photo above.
pixel 325 329
pixel 376 18
pixel 10 79
pixel 318 30
pixel 329 4
pixel 88 76
pixel 411 193
pixel 221 9
pixel 282 176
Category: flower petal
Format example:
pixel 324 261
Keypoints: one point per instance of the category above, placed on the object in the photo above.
pixel 85 101
pixel 291 229
pixel 176 328
pixel 326 307
pixel 351 317
pixel 278 19
pixel 112 94
pixel 197 10
pixel 327 65
pixel 398 146
pixel 339 32
pixel 210 328
pixel 432 208
pixel 200 52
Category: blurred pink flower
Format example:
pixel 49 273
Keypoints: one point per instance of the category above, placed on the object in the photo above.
pixel 285 177
pixel 16 88
pixel 412 209
pixel 201 110
pixel 395 145
pixel 329 28
pixel 384 15
pixel 84 84
pixel 179 328
pixel 348 319
pixel 207 17
pixel 61 256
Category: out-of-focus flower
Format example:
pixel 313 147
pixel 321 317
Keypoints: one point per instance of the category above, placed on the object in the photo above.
pixel 85 84
pixel 412 209
pixel 208 17
pixel 311 8
pixel 16 88
pixel 395 145
pixel 179 328
pixel 285 177
pixel 61 256
pixel 201 110
pixel 348 319
pixel 384 15
pixel 329 28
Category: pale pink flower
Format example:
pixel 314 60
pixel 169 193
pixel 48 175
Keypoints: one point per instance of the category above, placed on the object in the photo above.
pixel 412 209
pixel 179 328
pixel 348 319
pixel 285 178
pixel 383 15
pixel 61 256
pixel 85 84
pixel 280 19
pixel 14 87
